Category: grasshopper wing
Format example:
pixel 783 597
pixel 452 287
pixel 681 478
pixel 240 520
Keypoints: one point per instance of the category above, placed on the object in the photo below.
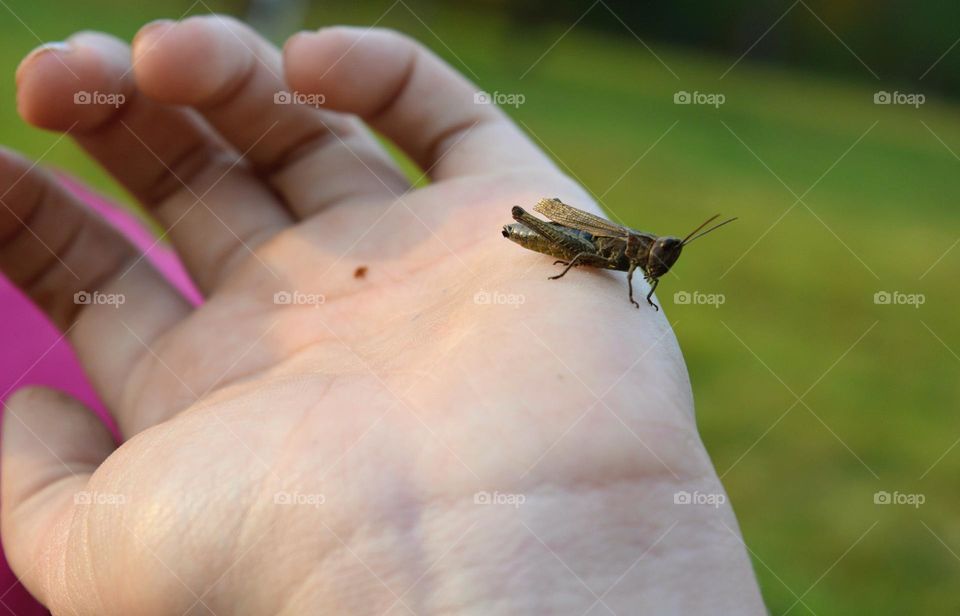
pixel 567 215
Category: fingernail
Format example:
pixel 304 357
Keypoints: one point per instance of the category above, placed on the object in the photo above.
pixel 149 28
pixel 55 46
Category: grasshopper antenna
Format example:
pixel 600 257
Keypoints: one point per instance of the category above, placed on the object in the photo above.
pixel 693 235
pixel 705 223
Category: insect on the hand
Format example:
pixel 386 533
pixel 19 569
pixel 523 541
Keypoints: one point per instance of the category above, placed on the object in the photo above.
pixel 576 238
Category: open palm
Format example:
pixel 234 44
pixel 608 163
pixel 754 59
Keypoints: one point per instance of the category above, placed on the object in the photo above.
pixel 383 406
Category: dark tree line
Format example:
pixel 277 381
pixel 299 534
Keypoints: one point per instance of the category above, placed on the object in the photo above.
pixel 899 40
pixel 906 43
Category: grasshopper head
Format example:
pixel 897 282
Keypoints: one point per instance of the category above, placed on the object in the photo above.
pixel 663 254
pixel 666 250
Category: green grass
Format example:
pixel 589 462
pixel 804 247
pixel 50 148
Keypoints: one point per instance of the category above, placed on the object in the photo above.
pixel 797 301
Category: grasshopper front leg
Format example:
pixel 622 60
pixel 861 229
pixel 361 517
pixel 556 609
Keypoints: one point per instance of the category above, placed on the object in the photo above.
pixel 630 285
pixel 653 287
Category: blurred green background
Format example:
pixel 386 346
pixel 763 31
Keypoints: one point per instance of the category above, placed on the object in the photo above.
pixel 877 383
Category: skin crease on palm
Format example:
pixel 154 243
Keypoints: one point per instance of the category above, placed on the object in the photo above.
pixel 380 412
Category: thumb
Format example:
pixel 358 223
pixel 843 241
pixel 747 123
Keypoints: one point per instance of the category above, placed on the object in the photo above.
pixel 51 446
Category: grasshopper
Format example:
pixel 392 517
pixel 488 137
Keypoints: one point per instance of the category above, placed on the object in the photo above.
pixel 576 238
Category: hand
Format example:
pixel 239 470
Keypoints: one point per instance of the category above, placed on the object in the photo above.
pixel 330 454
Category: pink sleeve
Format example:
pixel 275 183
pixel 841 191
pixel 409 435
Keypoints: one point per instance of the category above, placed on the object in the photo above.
pixel 34 353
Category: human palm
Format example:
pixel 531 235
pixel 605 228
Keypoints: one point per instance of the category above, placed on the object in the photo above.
pixel 372 361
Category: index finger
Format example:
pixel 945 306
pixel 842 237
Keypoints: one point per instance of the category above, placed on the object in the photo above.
pixel 448 126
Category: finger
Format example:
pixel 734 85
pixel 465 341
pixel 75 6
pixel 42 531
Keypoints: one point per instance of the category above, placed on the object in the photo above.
pixel 87 278
pixel 413 97
pixel 216 212
pixel 51 447
pixel 234 78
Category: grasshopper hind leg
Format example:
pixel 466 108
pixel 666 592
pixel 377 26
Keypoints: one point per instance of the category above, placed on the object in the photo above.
pixel 580 256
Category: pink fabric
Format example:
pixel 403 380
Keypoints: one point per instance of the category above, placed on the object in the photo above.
pixel 32 351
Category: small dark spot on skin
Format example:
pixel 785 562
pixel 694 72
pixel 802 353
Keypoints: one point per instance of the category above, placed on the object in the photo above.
pixel 360 272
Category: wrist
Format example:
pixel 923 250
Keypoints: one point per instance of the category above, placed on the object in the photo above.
pixel 627 544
